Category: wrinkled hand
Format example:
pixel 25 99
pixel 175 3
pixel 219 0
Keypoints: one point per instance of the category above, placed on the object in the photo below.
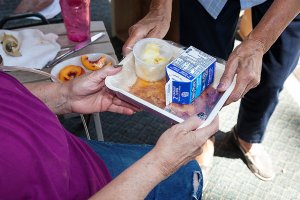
pixel 88 94
pixel 154 25
pixel 246 62
pixel 182 143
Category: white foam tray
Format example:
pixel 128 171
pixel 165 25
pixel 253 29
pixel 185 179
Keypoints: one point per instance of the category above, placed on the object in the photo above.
pixel 121 83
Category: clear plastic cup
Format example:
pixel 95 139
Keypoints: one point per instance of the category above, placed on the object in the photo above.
pixel 76 15
pixel 146 68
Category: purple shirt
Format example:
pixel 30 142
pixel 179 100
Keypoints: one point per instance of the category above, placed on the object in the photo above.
pixel 39 159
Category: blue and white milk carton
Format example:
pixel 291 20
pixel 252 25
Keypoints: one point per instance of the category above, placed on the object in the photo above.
pixel 188 75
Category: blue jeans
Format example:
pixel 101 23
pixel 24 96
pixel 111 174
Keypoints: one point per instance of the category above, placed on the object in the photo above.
pixel 181 185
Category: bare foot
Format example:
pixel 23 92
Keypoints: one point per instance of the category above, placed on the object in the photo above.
pixel 206 157
pixel 245 145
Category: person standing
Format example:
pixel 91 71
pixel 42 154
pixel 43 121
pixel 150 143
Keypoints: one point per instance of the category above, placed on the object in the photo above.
pixel 262 62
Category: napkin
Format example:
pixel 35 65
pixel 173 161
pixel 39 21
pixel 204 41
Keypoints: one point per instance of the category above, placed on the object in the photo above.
pixel 37 49
pixel 52 10
pixel 49 12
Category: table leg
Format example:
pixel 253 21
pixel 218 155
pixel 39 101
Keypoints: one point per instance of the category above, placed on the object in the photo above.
pixel 98 127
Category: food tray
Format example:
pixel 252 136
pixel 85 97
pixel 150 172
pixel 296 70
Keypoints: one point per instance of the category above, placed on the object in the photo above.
pixel 124 80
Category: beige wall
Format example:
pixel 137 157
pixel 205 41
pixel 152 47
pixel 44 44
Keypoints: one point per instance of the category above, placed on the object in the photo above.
pixel 126 13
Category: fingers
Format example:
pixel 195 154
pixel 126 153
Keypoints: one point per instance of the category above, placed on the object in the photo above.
pixel 202 134
pixel 228 75
pixel 121 110
pixel 109 70
pixel 248 77
pixel 119 102
pixel 118 106
pixel 238 90
pixel 147 27
pixel 128 46
pixel 101 74
pixel 92 82
pixel 136 32
pixel 190 124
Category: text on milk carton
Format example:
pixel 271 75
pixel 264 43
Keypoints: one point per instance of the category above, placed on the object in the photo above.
pixel 188 75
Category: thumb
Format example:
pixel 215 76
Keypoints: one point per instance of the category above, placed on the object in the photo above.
pixel 106 71
pixel 135 33
pixel 202 134
pixel 128 46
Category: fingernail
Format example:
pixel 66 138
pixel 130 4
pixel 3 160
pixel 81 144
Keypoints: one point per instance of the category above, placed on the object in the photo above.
pixel 130 48
pixel 117 66
pixel 220 85
pixel 202 115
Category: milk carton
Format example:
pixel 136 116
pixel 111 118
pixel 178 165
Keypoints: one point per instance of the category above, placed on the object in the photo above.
pixel 188 75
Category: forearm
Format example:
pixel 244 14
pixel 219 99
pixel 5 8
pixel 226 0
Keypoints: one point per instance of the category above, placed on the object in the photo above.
pixel 276 19
pixel 169 154
pixel 54 95
pixel 136 181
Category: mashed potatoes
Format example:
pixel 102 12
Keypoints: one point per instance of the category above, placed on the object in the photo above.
pixel 151 57
pixel 151 54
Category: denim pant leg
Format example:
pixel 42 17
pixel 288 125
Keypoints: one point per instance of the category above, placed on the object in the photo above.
pixel 259 103
pixel 186 183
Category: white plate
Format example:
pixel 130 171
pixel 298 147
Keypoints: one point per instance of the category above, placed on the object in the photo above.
pixel 77 61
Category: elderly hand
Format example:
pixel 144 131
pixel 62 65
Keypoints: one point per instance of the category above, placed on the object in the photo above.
pixel 182 143
pixel 88 94
pixel 246 62
pixel 154 25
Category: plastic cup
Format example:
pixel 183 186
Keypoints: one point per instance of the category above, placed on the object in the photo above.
pixel 76 16
pixel 151 71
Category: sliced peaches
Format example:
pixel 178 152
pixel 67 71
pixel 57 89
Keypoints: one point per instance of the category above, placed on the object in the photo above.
pixel 93 65
pixel 70 72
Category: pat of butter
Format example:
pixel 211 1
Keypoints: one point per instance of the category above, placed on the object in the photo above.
pixel 188 76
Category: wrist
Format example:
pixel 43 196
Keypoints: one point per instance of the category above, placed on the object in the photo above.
pixel 261 43
pixel 62 104
pixel 164 166
pixel 162 8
